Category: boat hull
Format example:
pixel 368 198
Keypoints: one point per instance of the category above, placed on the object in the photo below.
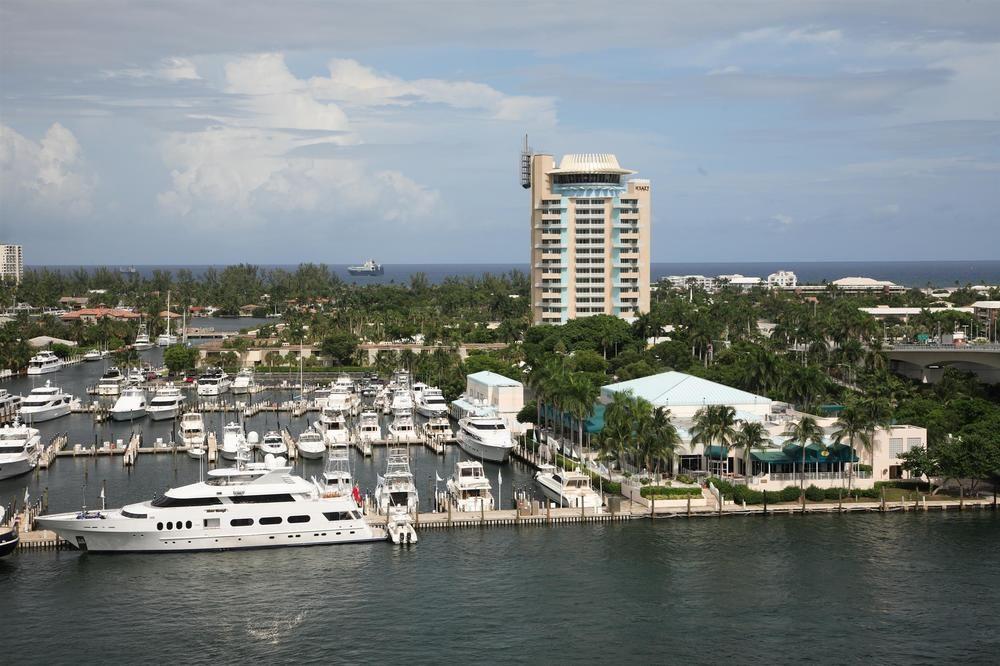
pixel 44 370
pixel 9 539
pixel 590 501
pixel 240 389
pixel 483 451
pixel 128 414
pixel 312 454
pixel 431 412
pixel 164 414
pixel 9 470
pixel 44 415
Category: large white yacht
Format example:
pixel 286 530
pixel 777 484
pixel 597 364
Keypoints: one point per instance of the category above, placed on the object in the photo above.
pixel 256 505
pixel 311 444
pixel 214 381
pixel 166 403
pixel 111 382
pixel 192 428
pixel 45 403
pixel 19 449
pixel 484 435
pixel 234 440
pixel 130 405
pixel 468 487
pixel 402 428
pixel 92 355
pixel 431 402
pixel 142 341
pixel 396 490
pixel 567 488
pixel 369 429
pixel 43 363
pixel 243 383
pixel 333 425
pixel 402 401
pixel 273 444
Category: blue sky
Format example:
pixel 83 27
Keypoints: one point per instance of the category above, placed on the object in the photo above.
pixel 188 132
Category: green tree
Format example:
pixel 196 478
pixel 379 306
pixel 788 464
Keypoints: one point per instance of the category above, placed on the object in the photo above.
pixel 339 347
pixel 179 357
pixel 751 436
pixel 804 432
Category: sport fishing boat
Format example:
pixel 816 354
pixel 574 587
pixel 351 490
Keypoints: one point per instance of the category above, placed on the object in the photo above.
pixel 253 505
pixel 396 497
pixel 369 429
pixel 130 405
pixel 192 429
pixel 273 444
pixel 44 404
pixel 43 363
pixel 93 355
pixel 402 429
pixel 431 402
pixel 402 401
pixel 214 381
pixel 468 488
pixel 166 403
pixel 311 444
pixel 19 449
pixel 484 435
pixel 369 268
pixel 234 440
pixel 142 341
pixel 337 479
pixel 243 383
pixel 333 425
pixel 567 488
pixel 111 382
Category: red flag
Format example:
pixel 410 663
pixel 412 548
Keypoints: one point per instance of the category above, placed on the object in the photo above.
pixel 356 494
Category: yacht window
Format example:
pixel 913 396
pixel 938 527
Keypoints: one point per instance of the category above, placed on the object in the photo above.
pixel 260 499
pixel 270 520
pixel 337 515
pixel 170 502
pixel 211 522
pixel 188 524
pixel 129 514
pixel 241 522
pixel 298 519
pixel 170 526
pixel 487 426
pixel 159 526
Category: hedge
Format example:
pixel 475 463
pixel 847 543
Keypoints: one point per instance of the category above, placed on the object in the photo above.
pixel 664 492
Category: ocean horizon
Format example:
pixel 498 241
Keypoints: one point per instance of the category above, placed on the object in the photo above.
pixel 907 273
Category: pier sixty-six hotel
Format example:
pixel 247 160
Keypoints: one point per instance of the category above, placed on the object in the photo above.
pixel 590 227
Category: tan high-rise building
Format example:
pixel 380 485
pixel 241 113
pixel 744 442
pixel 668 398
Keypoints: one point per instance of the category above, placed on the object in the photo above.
pixel 11 263
pixel 590 229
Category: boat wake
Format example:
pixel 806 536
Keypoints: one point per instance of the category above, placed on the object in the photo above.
pixel 274 631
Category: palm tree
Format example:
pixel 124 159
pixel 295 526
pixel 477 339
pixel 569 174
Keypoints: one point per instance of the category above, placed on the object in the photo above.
pixel 714 424
pixel 619 425
pixel 661 438
pixel 582 395
pixel 752 435
pixel 852 425
pixel 807 431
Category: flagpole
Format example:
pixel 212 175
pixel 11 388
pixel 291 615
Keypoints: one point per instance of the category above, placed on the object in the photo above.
pixel 499 490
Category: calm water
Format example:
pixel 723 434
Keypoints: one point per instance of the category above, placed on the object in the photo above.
pixel 907 589
pixel 909 273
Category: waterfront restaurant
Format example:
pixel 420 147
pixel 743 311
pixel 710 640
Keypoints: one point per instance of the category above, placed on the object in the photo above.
pixel 780 463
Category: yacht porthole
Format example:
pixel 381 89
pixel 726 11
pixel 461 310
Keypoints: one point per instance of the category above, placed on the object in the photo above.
pixel 159 527
pixel 170 526
pixel 188 524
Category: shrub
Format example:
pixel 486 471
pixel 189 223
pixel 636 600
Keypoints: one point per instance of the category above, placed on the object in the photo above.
pixel 905 484
pixel 663 492
pixel 685 478
pixel 814 494
pixel 743 494
pixel 863 468
pixel 835 493
pixel 789 494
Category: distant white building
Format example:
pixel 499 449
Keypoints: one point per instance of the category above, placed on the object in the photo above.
pixel 696 281
pixel 490 389
pixel 11 263
pixel 782 280
pixel 744 282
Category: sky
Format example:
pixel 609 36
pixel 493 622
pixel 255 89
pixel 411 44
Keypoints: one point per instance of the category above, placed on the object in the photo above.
pixel 279 132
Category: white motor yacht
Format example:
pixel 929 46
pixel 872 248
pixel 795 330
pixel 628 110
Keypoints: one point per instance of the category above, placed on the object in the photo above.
pixel 567 488
pixel 136 376
pixel 44 404
pixel 402 401
pixel 111 382
pixel 438 427
pixel 369 428
pixel 484 435
pixel 402 428
pixel 166 403
pixel 93 355
pixel 214 381
pixel 417 390
pixel 396 490
pixel 234 440
pixel 43 363
pixel 243 383
pixel 311 444
pixel 142 341
pixel 19 449
pixel 333 425
pixel 130 405
pixel 255 505
pixel 431 402
pixel 192 427
pixel 9 400
pixel 468 487
pixel 273 444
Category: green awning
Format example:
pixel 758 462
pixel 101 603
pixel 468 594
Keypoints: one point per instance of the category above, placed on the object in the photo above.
pixel 772 457
pixel 717 452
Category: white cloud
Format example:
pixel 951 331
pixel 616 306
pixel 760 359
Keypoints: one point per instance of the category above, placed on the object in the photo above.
pixel 168 69
pixel 48 175
pixel 783 220
pixel 722 71
pixel 784 35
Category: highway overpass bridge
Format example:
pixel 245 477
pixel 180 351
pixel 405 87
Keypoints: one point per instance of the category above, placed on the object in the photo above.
pixel 927 363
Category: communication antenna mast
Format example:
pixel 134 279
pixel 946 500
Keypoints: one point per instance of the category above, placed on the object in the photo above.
pixel 526 164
